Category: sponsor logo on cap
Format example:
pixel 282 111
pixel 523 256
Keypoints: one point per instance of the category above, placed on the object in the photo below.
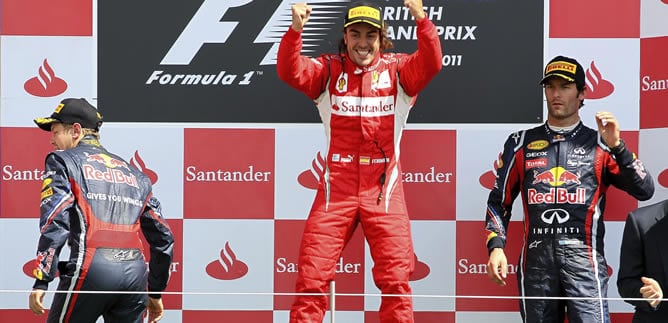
pixel 364 12
pixel 561 66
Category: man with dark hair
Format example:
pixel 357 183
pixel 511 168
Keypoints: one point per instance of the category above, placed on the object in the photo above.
pixel 97 204
pixel 643 261
pixel 364 96
pixel 563 170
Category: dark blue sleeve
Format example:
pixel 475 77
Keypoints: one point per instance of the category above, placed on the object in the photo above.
pixel 161 241
pixel 56 202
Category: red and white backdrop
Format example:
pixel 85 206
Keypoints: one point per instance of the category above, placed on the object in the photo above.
pixel 237 193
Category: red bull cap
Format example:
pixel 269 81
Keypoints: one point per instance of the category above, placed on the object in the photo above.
pixel 72 111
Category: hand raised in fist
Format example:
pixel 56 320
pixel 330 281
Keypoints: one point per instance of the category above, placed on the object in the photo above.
pixel 300 15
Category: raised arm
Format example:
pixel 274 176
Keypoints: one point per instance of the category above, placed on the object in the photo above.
pixel 300 72
pixel 418 68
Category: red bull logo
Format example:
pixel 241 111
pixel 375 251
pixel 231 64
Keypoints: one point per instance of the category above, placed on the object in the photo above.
pixel 107 161
pixel 557 196
pixel 556 176
pixel 567 177
pixel 545 177
pixel 110 176
pixel 37 272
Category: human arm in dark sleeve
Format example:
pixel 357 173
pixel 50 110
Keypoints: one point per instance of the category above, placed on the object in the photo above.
pixel 161 242
pixel 626 172
pixel 56 201
pixel 632 265
pixel 502 195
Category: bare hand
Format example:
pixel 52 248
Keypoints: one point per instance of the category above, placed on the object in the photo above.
pixel 155 309
pixel 608 127
pixel 300 14
pixel 497 267
pixel 651 291
pixel 36 301
pixel 416 8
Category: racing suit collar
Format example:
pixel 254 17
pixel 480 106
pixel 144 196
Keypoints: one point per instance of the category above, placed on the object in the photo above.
pixel 89 140
pixel 556 136
pixel 361 69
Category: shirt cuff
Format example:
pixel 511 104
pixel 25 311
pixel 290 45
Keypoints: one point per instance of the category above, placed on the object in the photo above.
pixel 40 284
pixel 495 242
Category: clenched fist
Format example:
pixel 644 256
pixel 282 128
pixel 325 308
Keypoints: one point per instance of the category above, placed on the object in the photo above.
pixel 300 14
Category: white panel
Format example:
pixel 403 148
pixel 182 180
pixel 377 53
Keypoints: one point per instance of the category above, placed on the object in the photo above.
pixel 652 152
pixel 653 17
pixel 172 316
pixel 1 90
pixel 339 316
pixel 613 242
pixel 71 60
pixel 169 316
pixel 477 150
pixel 434 243
pixel 94 53
pixel 484 317
pixel 160 147
pixel 252 243
pixel 296 149
pixel 618 61
pixel 19 240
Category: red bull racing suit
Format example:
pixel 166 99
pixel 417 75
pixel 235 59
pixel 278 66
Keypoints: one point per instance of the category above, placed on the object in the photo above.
pixel 98 204
pixel 364 110
pixel 563 178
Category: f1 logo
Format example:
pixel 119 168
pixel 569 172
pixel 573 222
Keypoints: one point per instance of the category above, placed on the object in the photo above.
pixel 204 27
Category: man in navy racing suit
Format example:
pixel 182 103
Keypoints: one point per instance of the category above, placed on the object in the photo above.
pixel 562 168
pixel 97 204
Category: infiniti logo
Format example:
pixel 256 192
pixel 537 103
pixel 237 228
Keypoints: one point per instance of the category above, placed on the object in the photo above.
pixel 579 150
pixel 560 214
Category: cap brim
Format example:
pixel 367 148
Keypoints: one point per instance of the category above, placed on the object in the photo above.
pixel 565 77
pixel 45 123
pixel 372 23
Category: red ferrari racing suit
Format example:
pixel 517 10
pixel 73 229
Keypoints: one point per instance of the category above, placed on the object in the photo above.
pixel 563 179
pixel 98 204
pixel 364 110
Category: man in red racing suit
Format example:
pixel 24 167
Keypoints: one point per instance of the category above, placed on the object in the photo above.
pixel 363 96
pixel 98 204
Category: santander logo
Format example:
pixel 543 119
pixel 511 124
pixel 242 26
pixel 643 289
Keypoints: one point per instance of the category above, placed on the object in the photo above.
pixel 488 179
pixel 28 268
pixel 421 269
pixel 139 163
pixel 310 177
pixel 663 176
pixel 228 267
pixel 597 87
pixel 46 83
